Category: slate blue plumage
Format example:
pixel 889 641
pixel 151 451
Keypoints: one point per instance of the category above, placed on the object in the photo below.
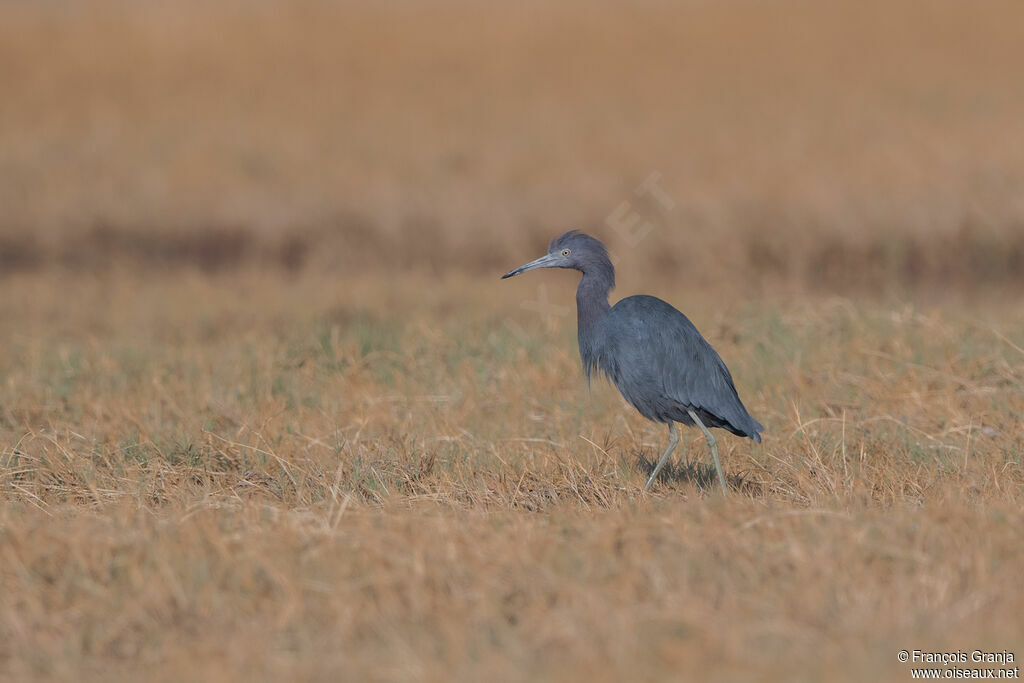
pixel 651 352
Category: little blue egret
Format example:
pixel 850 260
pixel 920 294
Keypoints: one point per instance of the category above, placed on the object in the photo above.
pixel 649 350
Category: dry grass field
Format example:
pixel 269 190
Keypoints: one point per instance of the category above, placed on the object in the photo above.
pixel 268 413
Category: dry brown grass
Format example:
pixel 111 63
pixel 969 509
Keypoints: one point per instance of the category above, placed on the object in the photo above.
pixel 392 480
pixel 267 413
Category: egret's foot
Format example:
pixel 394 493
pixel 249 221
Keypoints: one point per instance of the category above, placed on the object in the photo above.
pixel 713 445
pixel 673 439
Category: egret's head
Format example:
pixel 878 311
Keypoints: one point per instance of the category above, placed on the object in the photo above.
pixel 573 250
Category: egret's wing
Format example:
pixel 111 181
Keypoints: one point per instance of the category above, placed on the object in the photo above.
pixel 663 366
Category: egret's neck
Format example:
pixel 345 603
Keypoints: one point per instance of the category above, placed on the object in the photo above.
pixel 591 301
pixel 591 306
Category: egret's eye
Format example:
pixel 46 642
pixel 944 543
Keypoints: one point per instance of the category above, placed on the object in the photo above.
pixel 565 252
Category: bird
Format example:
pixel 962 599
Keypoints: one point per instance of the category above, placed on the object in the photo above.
pixel 649 350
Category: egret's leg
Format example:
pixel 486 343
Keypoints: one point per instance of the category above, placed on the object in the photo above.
pixel 714 449
pixel 673 439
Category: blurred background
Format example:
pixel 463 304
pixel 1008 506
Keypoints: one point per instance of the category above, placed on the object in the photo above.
pixel 844 145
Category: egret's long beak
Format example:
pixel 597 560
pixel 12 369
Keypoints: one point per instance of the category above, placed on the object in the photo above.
pixel 545 261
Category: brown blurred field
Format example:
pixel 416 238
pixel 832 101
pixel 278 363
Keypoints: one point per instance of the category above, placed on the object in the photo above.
pixel 267 413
